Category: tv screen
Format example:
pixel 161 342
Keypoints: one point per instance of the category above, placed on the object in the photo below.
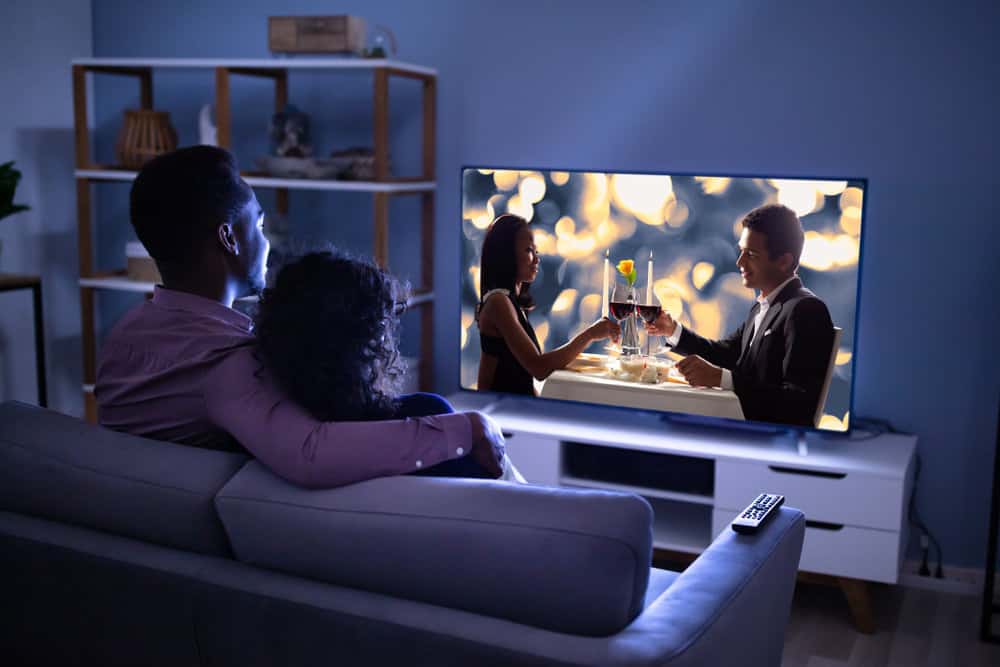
pixel 725 297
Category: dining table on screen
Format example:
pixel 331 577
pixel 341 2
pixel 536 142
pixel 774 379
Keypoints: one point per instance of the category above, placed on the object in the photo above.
pixel 593 378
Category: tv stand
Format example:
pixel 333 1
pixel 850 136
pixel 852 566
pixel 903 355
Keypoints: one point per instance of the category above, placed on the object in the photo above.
pixel 854 493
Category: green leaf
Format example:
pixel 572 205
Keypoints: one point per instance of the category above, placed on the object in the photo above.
pixel 631 277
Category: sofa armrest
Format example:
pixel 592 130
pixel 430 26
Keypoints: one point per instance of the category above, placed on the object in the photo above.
pixel 731 606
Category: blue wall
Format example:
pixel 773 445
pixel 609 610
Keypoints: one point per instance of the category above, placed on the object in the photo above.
pixel 37 41
pixel 904 95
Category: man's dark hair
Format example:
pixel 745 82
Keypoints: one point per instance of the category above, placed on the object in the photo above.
pixel 179 199
pixel 782 228
pixel 498 266
pixel 327 330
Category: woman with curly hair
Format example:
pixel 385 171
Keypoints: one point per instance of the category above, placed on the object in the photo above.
pixel 511 356
pixel 327 332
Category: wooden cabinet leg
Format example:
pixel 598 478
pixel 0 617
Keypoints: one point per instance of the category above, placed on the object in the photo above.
pixel 856 592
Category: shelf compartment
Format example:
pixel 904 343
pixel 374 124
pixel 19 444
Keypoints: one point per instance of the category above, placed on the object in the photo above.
pixel 648 492
pixel 672 476
pixel 679 526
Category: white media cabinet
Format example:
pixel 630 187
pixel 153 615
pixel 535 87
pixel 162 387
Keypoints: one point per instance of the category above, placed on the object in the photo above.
pixel 854 492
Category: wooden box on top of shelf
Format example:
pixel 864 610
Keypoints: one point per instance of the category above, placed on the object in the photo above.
pixel 316 34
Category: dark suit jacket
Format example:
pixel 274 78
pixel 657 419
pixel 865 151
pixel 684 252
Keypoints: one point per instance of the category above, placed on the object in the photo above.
pixel 779 378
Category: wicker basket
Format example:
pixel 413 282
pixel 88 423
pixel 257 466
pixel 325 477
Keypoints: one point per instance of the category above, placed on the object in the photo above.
pixel 144 135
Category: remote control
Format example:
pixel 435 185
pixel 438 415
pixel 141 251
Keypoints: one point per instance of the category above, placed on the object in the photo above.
pixel 757 513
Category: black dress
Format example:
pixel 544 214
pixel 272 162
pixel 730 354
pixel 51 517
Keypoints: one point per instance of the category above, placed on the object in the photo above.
pixel 510 377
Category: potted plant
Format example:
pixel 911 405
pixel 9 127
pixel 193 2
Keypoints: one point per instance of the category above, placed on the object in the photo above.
pixel 9 178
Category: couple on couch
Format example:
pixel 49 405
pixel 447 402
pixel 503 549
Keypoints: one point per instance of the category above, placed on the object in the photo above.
pixel 310 386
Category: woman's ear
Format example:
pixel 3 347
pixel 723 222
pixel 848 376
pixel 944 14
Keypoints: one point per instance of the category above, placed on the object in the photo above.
pixel 228 239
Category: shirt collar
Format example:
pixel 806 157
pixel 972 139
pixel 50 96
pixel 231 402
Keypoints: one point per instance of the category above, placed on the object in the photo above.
pixel 767 300
pixel 199 305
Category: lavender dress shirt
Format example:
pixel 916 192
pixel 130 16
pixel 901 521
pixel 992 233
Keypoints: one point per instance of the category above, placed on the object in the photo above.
pixel 180 367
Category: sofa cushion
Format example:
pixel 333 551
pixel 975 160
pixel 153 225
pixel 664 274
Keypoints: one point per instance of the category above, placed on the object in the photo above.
pixel 574 561
pixel 58 467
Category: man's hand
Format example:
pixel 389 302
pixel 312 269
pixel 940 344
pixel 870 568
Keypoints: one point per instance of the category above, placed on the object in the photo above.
pixel 700 373
pixel 663 325
pixel 487 443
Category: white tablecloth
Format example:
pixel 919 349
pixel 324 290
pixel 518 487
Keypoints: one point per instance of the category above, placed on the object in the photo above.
pixel 593 387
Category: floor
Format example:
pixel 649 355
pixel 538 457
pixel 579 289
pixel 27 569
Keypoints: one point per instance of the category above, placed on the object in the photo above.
pixel 914 628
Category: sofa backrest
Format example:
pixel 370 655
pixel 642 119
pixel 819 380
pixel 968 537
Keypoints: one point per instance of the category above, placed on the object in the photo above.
pixel 573 561
pixel 58 467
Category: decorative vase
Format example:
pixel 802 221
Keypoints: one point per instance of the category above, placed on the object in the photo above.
pixel 630 326
pixel 144 135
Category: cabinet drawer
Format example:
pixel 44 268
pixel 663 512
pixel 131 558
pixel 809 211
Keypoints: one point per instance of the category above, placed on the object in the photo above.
pixel 840 551
pixel 853 499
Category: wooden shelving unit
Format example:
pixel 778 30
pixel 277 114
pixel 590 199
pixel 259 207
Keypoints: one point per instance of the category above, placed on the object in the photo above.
pixel 382 188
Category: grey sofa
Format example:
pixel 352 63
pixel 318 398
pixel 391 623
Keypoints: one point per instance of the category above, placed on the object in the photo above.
pixel 117 550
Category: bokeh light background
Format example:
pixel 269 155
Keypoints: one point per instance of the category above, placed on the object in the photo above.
pixel 691 224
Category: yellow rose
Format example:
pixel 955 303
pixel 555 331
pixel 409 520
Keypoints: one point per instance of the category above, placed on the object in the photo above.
pixel 625 267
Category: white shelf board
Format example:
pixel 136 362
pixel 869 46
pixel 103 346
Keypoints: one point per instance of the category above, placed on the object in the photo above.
pixel 119 284
pixel 290 183
pixel 309 63
pixel 126 285
pixel 419 299
pixel 347 186
pixel 677 496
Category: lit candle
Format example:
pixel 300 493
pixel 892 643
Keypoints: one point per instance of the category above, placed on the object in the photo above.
pixel 649 280
pixel 604 294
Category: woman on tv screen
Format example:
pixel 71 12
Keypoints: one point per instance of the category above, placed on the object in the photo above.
pixel 511 356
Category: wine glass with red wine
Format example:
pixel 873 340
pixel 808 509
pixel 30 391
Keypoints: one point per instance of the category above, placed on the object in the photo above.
pixel 622 302
pixel 649 312
pixel 623 309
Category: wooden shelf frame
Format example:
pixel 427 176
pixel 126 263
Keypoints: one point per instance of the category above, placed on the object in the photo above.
pixel 382 188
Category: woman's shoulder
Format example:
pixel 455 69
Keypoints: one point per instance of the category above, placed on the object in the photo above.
pixel 496 301
pixel 493 292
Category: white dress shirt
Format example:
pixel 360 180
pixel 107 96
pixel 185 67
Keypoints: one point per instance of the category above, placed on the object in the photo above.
pixel 765 305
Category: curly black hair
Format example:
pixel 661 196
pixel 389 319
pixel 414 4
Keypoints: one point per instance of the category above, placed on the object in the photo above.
pixel 328 331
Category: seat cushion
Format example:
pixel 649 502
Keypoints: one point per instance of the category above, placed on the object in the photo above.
pixel 58 467
pixel 575 561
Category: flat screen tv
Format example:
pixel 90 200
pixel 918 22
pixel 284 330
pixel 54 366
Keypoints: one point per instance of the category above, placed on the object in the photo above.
pixel 755 276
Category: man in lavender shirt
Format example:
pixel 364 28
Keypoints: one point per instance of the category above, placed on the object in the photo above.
pixel 180 366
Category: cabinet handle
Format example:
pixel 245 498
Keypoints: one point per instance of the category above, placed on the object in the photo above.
pixel 811 473
pixel 823 525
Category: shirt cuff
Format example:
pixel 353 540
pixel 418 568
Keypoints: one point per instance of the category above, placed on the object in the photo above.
pixel 459 436
pixel 727 379
pixel 456 443
pixel 675 337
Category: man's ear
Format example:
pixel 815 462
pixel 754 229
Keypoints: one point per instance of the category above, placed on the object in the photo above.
pixel 228 239
pixel 786 261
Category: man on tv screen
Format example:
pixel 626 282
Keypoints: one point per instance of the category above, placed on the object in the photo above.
pixel 776 361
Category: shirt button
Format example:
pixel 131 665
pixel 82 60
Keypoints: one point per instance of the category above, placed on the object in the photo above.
pixel 460 451
pixel 420 464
